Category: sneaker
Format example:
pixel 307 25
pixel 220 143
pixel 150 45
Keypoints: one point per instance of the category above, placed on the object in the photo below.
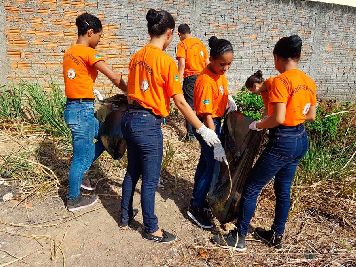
pixel 166 237
pixel 231 240
pixel 125 223
pixel 269 237
pixel 81 202
pixel 200 217
pixel 87 184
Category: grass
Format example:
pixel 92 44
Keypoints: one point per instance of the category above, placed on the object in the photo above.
pixel 31 103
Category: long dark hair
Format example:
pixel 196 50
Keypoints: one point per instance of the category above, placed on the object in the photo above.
pixel 86 22
pixel 288 47
pixel 159 21
pixel 254 78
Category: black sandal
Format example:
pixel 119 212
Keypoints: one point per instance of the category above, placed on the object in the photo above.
pixel 165 238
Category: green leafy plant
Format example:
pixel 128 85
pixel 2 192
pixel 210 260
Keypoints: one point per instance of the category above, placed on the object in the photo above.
pixel 249 104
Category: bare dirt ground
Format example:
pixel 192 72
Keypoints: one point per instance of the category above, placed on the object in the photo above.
pixel 37 230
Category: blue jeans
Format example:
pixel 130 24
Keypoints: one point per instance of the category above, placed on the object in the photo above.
pixel 206 168
pixel 286 146
pixel 144 138
pixel 84 127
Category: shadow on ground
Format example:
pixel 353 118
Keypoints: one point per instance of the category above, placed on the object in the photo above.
pixel 49 154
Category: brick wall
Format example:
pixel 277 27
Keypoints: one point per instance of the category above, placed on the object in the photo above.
pixel 38 32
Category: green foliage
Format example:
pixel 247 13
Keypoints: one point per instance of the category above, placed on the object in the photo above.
pixel 249 104
pixel 31 103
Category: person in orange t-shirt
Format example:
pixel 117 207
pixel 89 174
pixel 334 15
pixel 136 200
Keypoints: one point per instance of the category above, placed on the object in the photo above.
pixel 81 64
pixel 259 86
pixel 152 81
pixel 292 101
pixel 192 58
pixel 211 101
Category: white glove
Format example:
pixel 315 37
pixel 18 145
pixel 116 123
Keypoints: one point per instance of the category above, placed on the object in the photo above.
pixel 219 153
pixel 253 126
pixel 98 95
pixel 208 135
pixel 231 105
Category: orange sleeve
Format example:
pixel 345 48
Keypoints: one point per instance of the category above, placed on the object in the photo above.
pixel 180 50
pixel 314 100
pixel 279 91
pixel 203 98
pixel 174 86
pixel 94 57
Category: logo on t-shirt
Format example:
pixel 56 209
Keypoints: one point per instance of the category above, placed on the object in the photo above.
pixel 71 74
pixel 221 88
pixel 306 108
pixel 144 85
pixel 98 56
pixel 201 53
pixel 206 101
pixel 176 78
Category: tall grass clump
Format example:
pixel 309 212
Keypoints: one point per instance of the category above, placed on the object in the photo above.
pixel 31 103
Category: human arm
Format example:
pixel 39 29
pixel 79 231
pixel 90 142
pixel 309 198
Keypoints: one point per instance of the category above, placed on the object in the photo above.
pixel 311 114
pixel 207 134
pixel 114 77
pixel 181 66
pixel 208 121
pixel 278 117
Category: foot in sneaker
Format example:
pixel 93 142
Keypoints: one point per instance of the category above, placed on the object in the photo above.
pixel 200 216
pixel 165 238
pixel 125 223
pixel 87 184
pixel 269 237
pixel 81 202
pixel 231 240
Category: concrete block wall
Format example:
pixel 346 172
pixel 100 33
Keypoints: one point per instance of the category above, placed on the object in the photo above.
pixel 36 34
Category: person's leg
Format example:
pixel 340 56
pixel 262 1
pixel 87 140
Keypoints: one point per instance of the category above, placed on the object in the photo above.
pixel 152 153
pixel 263 171
pixel 78 117
pixel 282 186
pixel 188 91
pixel 134 170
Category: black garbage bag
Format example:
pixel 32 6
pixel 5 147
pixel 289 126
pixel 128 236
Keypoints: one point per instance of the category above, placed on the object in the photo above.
pixel 110 113
pixel 241 147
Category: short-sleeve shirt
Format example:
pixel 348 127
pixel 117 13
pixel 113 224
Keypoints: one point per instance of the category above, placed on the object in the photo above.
pixel 153 79
pixel 264 94
pixel 195 54
pixel 297 90
pixel 210 94
pixel 79 72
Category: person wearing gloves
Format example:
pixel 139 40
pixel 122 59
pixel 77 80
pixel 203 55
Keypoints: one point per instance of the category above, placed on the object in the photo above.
pixel 211 99
pixel 153 80
pixel 81 63
pixel 292 101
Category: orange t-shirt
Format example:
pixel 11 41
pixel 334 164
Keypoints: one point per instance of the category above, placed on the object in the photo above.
pixel 153 79
pixel 264 94
pixel 210 94
pixel 79 72
pixel 297 90
pixel 195 55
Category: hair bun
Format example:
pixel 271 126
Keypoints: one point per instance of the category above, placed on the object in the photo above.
pixel 258 74
pixel 212 41
pixel 153 16
pixel 295 41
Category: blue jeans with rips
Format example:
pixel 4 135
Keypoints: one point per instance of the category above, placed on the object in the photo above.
pixel 206 168
pixel 286 147
pixel 143 134
pixel 79 116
